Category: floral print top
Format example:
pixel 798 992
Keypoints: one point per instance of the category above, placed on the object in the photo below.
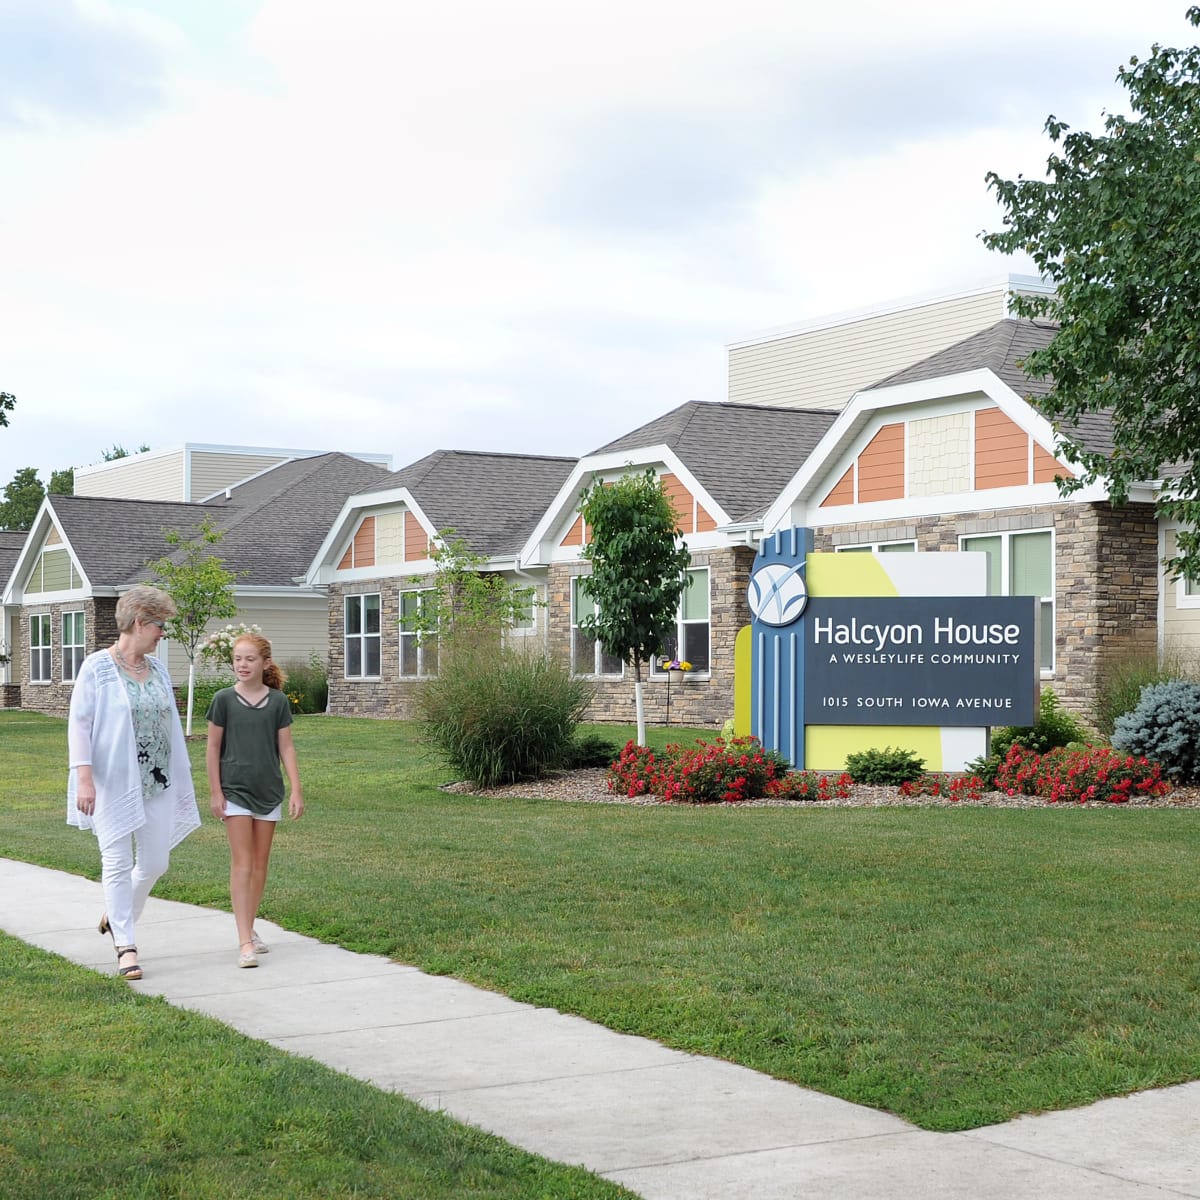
pixel 151 705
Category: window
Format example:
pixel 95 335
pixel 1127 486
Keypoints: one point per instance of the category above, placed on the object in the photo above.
pixel 40 666
pixel 72 644
pixel 879 548
pixel 690 641
pixel 362 636
pixel 1022 564
pixel 525 623
pixel 418 651
pixel 587 656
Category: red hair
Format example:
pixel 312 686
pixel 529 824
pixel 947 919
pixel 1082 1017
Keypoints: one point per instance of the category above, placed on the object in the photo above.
pixel 273 677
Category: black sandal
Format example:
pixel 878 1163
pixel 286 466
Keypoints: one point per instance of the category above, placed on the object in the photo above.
pixel 134 970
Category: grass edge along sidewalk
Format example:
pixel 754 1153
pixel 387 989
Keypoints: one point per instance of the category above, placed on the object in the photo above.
pixel 956 966
pixel 109 1093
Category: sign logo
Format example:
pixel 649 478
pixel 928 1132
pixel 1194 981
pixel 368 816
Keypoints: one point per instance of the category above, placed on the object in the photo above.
pixel 777 594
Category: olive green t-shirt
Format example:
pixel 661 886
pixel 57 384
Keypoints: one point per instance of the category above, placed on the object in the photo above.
pixel 250 771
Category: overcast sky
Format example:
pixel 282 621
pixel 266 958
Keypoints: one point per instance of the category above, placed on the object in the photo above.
pixel 523 226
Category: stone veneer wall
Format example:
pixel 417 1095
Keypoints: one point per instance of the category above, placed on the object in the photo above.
pixel 700 702
pixel 388 696
pixel 1106 577
pixel 100 630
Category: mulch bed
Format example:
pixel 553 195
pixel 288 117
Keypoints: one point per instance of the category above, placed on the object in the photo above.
pixel 590 787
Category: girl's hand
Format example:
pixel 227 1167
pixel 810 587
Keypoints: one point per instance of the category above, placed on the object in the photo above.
pixel 217 804
pixel 295 806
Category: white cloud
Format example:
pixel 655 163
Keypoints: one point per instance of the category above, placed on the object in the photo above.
pixel 389 226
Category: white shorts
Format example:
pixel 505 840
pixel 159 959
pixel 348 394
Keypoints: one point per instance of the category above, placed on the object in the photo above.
pixel 233 809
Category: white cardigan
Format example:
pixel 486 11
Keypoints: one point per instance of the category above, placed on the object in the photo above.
pixel 100 732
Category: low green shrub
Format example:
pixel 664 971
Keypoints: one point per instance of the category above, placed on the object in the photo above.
pixel 888 767
pixel 502 716
pixel 207 686
pixel 1165 727
pixel 307 685
pixel 591 750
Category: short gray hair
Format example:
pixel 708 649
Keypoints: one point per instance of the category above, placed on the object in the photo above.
pixel 143 603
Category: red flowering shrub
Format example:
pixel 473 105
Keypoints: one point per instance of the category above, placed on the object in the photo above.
pixel 948 787
pixel 706 773
pixel 1079 774
pixel 811 785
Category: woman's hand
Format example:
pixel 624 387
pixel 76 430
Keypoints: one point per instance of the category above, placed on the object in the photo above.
pixel 217 804
pixel 85 796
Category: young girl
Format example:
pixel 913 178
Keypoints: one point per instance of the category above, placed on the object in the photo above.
pixel 249 734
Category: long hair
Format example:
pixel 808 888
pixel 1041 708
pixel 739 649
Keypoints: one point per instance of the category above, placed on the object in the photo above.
pixel 273 676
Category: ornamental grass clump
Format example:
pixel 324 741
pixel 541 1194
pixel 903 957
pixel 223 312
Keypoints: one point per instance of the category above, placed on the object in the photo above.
pixel 722 771
pixel 504 716
pixel 1079 775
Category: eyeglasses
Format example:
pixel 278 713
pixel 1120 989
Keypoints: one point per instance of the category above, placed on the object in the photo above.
pixel 160 624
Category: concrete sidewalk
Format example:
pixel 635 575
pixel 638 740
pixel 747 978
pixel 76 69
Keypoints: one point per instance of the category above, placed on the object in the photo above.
pixel 667 1125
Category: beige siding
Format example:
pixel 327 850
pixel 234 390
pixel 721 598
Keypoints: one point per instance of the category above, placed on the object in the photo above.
pixel 140 477
pixel 823 366
pixel 1180 624
pixel 215 470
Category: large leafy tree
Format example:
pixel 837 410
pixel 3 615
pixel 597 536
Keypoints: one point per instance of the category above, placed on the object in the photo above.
pixel 639 566
pixel 7 403
pixel 1115 224
pixel 196 579
pixel 23 496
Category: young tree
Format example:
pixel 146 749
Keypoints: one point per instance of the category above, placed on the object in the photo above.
pixel 1116 226
pixel 639 571
pixel 23 497
pixel 196 579
pixel 466 605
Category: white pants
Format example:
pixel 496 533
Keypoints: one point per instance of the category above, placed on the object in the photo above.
pixel 126 883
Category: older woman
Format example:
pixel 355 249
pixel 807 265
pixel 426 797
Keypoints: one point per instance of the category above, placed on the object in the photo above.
pixel 130 780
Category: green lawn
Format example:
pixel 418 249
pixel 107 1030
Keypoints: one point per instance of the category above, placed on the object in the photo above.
pixel 953 965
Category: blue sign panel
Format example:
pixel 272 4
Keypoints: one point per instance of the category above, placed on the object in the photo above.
pixel 920 660
pixel 777 596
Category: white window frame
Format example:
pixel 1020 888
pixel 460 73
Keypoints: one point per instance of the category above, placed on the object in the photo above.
pixel 73 652
pixel 363 637
pixel 426 649
pixel 901 547
pixel 41 648
pixel 600 660
pixel 1048 604
pixel 681 639
pixel 526 625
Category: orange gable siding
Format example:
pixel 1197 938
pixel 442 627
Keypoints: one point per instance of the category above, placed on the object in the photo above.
pixel 1001 450
pixel 681 501
pixel 1046 466
pixel 347 559
pixel 842 492
pixel 574 535
pixel 704 519
pixel 416 544
pixel 881 466
pixel 364 543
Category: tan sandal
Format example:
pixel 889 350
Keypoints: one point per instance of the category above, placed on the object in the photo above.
pixel 247 958
pixel 260 947
pixel 134 970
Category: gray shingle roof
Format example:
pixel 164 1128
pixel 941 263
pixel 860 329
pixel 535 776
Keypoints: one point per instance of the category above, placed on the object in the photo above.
pixel 275 523
pixel 113 539
pixel 493 501
pixel 743 454
pixel 11 545
pixel 1001 348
